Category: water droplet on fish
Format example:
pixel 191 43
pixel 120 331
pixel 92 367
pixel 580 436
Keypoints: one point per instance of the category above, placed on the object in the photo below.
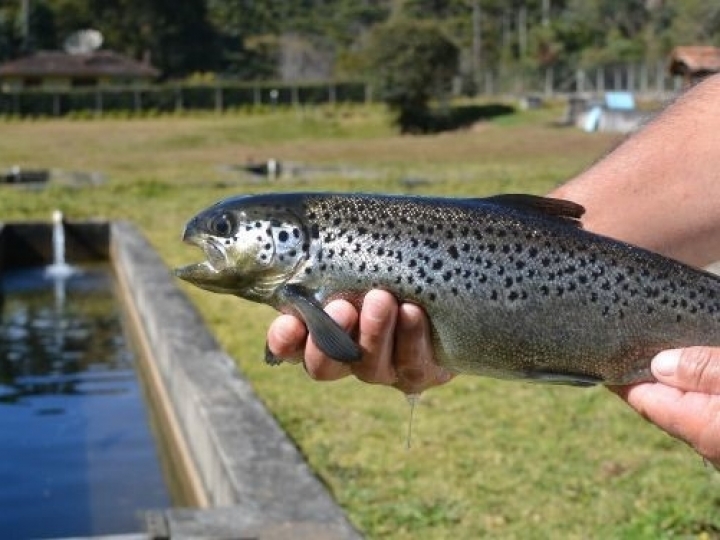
pixel 412 400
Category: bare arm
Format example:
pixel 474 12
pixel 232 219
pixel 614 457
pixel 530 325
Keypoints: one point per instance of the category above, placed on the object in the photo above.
pixel 660 189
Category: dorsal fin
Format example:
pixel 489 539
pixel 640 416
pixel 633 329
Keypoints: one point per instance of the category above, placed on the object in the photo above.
pixel 567 211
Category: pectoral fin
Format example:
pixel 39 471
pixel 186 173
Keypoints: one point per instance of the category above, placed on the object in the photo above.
pixel 330 338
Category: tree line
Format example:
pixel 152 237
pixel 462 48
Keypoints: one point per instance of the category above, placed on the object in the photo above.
pixel 295 40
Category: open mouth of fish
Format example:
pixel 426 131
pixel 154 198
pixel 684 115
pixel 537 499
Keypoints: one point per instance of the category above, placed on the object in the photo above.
pixel 214 263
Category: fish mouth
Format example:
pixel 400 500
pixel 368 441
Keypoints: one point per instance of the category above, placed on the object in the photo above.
pixel 205 274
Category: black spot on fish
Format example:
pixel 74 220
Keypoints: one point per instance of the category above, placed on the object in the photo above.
pixel 315 231
pixel 283 236
pixel 513 296
pixel 453 252
pixel 437 265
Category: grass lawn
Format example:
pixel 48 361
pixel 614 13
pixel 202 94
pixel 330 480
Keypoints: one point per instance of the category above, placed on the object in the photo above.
pixel 489 458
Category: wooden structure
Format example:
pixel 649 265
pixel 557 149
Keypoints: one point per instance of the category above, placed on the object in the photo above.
pixel 60 70
pixel 694 63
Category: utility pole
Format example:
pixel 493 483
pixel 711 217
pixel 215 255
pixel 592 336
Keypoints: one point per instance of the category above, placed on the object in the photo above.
pixel 476 43
pixel 546 12
pixel 522 30
pixel 25 29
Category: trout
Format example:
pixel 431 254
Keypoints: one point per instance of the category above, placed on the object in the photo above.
pixel 513 286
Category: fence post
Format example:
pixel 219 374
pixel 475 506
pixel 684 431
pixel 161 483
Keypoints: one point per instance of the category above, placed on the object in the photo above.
pixel 218 99
pixel 331 94
pixel 56 104
pixel 179 106
pixel 489 83
pixel 549 80
pixel 294 96
pixel 580 81
pixel 137 100
pixel 631 77
pixel 98 101
pixel 660 78
pixel 644 81
pixel 600 79
pixel 257 96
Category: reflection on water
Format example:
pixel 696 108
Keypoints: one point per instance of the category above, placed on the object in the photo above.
pixel 78 457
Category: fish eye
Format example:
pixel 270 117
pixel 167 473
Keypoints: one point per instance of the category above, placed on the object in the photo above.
pixel 222 225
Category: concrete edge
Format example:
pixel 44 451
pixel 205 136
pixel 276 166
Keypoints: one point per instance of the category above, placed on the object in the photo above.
pixel 254 477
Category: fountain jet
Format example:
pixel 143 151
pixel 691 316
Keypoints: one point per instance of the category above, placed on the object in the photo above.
pixel 59 269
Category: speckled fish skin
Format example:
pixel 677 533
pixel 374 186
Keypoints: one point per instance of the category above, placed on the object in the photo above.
pixel 513 287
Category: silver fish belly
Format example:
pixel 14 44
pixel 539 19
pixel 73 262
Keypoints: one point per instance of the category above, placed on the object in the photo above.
pixel 512 285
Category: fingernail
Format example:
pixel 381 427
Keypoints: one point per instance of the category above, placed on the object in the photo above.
pixel 665 363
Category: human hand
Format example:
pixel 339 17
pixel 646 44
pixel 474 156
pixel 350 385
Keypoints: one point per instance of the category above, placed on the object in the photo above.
pixel 395 340
pixel 685 400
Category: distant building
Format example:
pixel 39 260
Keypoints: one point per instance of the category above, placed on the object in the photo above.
pixel 694 63
pixel 60 70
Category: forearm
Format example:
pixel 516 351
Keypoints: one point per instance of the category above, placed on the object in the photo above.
pixel 660 189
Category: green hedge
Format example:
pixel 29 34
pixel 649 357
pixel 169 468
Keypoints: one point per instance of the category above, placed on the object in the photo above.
pixel 174 98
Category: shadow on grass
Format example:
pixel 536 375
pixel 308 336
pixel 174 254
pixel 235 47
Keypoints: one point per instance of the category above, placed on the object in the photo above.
pixel 436 121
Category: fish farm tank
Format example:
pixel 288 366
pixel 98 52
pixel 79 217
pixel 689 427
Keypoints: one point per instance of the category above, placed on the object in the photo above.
pixel 80 456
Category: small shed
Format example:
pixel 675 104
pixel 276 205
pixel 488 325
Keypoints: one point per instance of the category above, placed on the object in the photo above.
pixel 61 70
pixel 694 62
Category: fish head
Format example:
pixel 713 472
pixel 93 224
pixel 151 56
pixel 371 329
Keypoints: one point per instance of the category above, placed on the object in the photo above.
pixel 251 248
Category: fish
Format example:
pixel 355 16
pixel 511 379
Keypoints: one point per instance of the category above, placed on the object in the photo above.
pixel 513 286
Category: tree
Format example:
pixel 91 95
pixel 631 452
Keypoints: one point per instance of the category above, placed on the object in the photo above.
pixel 411 62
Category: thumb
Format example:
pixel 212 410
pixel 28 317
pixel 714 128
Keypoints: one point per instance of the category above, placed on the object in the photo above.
pixel 694 369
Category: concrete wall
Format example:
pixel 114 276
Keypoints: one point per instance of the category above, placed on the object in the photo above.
pixel 254 477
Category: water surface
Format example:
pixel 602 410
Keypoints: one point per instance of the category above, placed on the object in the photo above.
pixel 77 456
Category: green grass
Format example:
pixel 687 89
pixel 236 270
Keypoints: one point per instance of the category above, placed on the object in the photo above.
pixel 489 458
